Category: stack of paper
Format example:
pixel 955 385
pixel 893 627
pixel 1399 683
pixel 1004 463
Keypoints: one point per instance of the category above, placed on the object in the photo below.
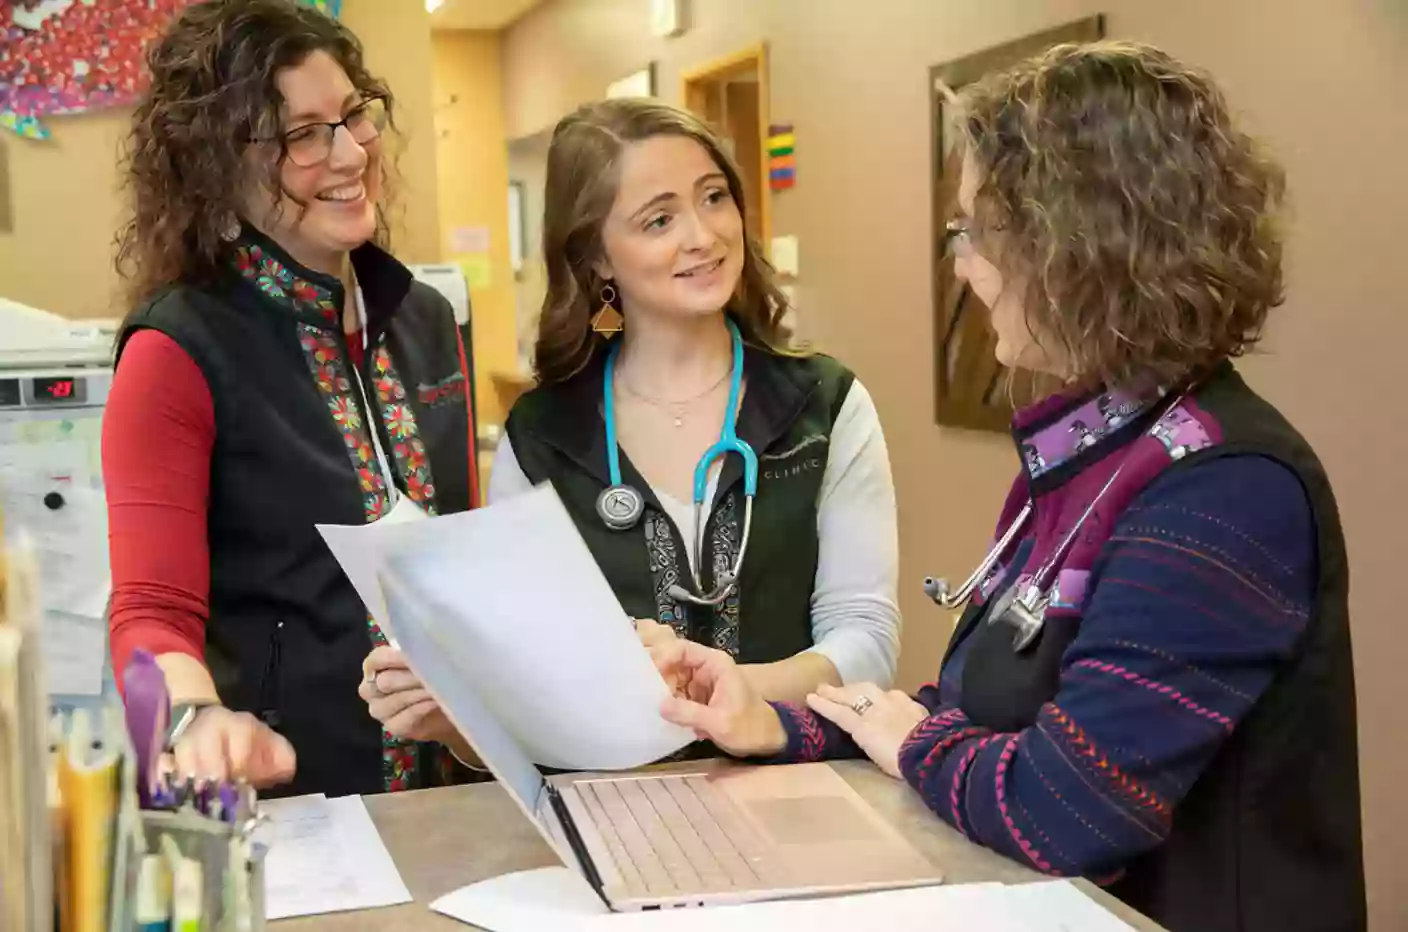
pixel 559 899
pixel 26 859
pixel 325 856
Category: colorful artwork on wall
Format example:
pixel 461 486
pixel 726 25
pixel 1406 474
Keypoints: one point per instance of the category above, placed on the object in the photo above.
pixel 71 56
pixel 782 157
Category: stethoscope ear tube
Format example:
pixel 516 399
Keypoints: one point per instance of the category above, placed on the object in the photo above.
pixel 938 589
pixel 620 506
pixel 1023 605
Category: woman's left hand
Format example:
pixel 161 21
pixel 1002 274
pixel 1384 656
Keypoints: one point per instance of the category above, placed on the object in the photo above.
pixel 879 730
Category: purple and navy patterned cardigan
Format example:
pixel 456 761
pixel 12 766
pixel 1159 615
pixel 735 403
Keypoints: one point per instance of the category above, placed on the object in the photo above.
pixel 1191 599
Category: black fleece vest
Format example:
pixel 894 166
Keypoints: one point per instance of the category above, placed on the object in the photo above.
pixel 287 633
pixel 787 414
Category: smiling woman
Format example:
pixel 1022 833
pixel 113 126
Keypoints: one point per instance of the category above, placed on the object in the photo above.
pixel 734 490
pixel 277 369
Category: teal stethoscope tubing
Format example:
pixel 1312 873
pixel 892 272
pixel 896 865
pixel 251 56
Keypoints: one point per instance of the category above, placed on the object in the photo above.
pixel 631 504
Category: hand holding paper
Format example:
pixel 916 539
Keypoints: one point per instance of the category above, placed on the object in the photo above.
pixel 397 698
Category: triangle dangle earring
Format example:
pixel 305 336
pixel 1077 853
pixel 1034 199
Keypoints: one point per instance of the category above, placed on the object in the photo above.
pixel 608 321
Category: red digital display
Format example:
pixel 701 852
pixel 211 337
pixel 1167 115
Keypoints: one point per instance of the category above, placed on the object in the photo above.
pixel 57 389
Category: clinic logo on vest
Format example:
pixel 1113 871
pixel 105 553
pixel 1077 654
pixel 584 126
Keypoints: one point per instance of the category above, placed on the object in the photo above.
pixel 791 463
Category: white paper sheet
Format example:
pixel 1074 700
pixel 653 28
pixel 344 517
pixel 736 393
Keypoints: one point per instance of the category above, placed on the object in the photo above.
pixel 523 614
pixel 559 899
pixel 71 550
pixel 546 898
pixel 360 555
pixel 1059 906
pixel 325 856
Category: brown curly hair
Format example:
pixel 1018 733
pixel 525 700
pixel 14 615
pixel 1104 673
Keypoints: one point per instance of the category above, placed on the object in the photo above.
pixel 1114 180
pixel 213 88
pixel 581 188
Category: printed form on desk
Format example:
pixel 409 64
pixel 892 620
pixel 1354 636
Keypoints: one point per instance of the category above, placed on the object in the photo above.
pixel 559 899
pixel 325 856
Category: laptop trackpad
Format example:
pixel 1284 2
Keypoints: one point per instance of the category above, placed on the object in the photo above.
pixel 811 820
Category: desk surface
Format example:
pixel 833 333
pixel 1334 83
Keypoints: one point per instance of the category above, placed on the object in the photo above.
pixel 443 839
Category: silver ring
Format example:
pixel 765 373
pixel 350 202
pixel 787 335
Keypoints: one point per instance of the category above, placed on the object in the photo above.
pixel 862 705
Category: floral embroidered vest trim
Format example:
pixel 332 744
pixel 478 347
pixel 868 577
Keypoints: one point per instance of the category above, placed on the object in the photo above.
pixel 319 315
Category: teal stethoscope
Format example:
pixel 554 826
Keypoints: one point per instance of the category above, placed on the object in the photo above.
pixel 620 506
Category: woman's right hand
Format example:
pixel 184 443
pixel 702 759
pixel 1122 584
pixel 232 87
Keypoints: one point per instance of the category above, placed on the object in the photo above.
pixel 223 745
pixel 396 697
pixel 714 698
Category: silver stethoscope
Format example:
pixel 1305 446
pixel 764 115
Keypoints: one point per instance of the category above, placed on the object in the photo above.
pixel 620 506
pixel 1022 606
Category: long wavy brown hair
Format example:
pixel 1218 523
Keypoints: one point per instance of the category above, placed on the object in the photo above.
pixel 213 89
pixel 581 187
pixel 1115 181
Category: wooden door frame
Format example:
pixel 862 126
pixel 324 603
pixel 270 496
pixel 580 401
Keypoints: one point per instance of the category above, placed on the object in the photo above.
pixel 751 58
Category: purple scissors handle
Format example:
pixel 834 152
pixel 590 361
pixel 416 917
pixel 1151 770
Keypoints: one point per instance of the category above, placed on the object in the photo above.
pixel 148 707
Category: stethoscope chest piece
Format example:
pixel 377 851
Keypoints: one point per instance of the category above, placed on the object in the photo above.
pixel 1023 608
pixel 620 507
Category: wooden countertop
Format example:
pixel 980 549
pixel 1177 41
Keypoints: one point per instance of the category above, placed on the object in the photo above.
pixel 445 838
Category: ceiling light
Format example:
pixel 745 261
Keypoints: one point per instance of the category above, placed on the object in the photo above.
pixel 432 5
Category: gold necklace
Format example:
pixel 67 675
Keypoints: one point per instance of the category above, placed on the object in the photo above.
pixel 676 409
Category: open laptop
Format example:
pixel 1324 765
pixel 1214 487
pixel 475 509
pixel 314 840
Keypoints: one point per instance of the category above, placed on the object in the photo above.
pixel 709 833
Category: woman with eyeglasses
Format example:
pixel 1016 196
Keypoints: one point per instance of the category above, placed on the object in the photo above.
pixel 1152 685
pixel 277 369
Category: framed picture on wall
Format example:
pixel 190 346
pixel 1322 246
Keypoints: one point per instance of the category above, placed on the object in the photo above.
pixel 971 389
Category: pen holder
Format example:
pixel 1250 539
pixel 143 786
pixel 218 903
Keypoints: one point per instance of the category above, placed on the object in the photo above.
pixel 226 905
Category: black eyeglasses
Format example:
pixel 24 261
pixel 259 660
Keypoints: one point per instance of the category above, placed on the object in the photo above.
pixel 311 143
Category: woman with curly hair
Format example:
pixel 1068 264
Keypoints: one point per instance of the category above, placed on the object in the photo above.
pixel 277 370
pixel 1152 687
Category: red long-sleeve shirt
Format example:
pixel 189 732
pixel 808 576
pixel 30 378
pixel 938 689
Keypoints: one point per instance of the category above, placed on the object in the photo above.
pixel 158 433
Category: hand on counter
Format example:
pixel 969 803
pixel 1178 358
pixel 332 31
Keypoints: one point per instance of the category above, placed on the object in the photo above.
pixel 223 745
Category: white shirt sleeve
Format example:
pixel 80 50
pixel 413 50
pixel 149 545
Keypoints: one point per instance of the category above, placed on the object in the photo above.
pixel 506 478
pixel 855 613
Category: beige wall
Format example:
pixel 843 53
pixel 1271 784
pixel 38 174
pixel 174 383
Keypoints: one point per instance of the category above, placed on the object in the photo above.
pixel 472 159
pixel 65 203
pixel 396 34
pixel 64 210
pixel 1322 81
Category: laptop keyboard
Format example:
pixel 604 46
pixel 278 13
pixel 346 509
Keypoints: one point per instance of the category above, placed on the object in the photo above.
pixel 671 834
